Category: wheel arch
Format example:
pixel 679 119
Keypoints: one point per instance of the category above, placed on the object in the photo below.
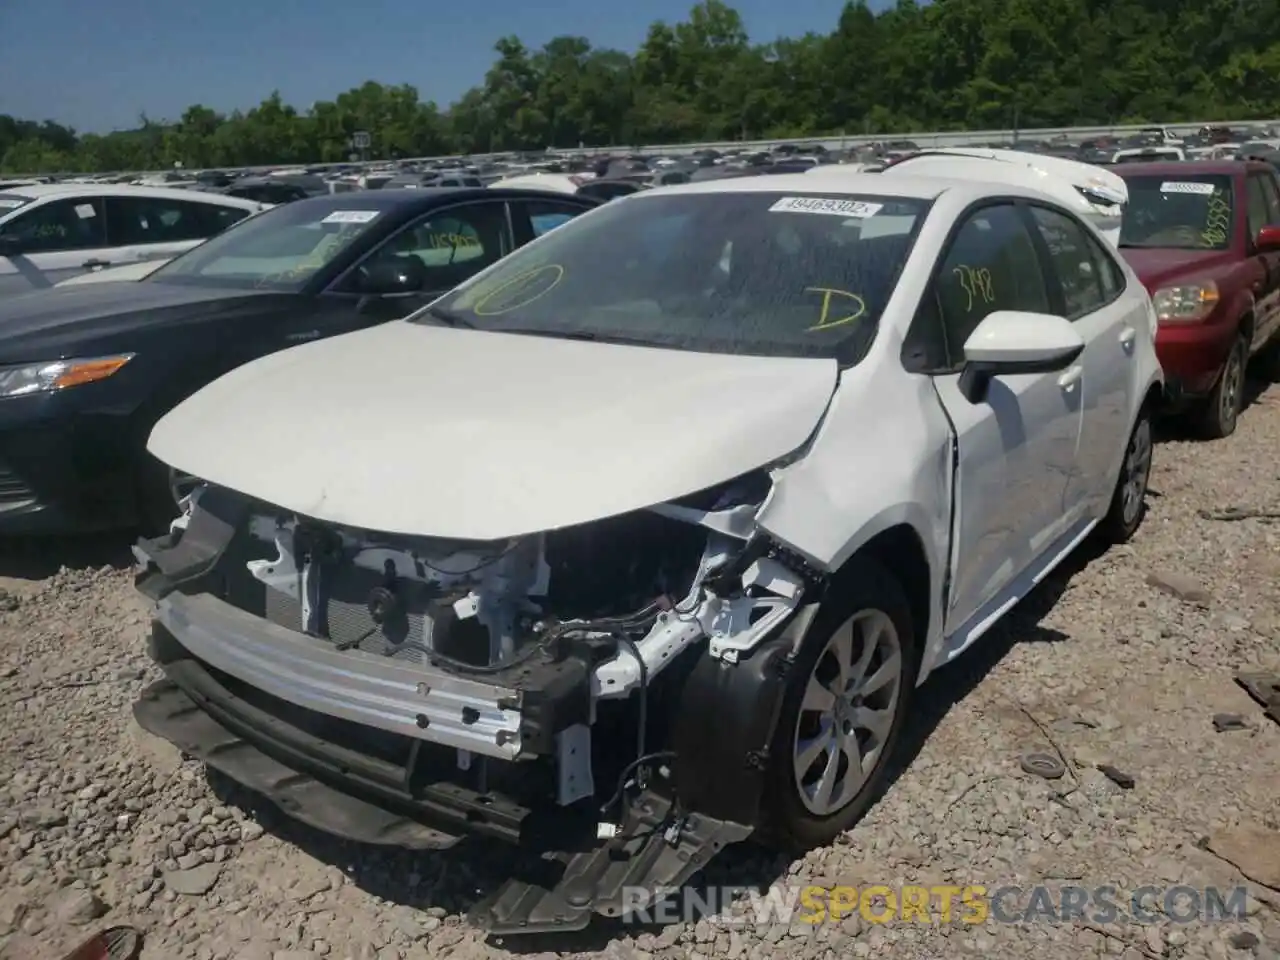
pixel 900 549
pixel 1153 398
pixel 1247 322
pixel 729 713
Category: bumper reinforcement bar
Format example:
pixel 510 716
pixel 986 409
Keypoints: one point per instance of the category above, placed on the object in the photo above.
pixel 319 783
pixel 416 702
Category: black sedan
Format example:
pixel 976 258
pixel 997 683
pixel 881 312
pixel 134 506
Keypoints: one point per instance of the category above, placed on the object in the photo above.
pixel 86 371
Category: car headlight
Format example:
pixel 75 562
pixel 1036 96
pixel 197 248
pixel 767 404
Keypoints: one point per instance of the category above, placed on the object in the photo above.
pixel 27 378
pixel 1186 303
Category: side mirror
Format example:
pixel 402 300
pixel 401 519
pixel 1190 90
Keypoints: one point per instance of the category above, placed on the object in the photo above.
pixel 392 276
pixel 1268 239
pixel 1010 342
pixel 11 247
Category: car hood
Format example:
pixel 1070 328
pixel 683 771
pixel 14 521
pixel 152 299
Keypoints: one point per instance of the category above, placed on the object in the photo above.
pixel 59 318
pixel 1155 266
pixel 433 431
pixel 130 271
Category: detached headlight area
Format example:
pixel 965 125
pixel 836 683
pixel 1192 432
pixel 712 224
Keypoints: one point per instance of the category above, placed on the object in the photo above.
pixel 50 376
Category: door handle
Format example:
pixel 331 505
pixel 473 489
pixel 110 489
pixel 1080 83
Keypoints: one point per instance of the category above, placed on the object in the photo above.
pixel 1069 379
pixel 1127 336
pixel 92 264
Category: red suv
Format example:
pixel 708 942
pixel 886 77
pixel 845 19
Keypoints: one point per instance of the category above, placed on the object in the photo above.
pixel 1205 239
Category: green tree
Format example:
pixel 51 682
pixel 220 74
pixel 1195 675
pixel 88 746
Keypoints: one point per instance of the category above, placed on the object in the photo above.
pixel 944 65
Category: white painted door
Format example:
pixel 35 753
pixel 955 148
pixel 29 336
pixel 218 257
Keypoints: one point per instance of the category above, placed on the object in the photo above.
pixel 1092 291
pixel 1017 445
pixel 58 239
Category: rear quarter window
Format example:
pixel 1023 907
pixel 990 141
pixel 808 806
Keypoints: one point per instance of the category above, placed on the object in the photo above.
pixel 11 202
pixel 218 218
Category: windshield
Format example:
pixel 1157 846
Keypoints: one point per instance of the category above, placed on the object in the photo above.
pixel 751 272
pixel 279 249
pixel 1187 212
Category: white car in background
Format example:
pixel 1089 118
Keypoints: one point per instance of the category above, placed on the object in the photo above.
pixel 660 521
pixel 578 184
pixel 1093 192
pixel 52 232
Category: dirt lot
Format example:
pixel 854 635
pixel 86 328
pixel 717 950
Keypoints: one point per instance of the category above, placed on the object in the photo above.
pixel 1123 660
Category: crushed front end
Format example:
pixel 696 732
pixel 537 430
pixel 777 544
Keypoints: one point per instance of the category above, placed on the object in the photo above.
pixel 603 695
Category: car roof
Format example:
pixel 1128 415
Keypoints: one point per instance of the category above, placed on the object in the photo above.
pixel 850 184
pixel 73 190
pixel 420 198
pixel 906 186
pixel 1191 168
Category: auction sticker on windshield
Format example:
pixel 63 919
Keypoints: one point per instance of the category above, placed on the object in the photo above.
pixel 1189 186
pixel 351 216
pixel 9 203
pixel 835 208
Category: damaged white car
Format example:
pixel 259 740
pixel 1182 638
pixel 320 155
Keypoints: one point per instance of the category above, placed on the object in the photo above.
pixel 638 543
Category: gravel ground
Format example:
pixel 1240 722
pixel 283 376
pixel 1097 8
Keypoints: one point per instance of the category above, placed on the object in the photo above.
pixel 1124 659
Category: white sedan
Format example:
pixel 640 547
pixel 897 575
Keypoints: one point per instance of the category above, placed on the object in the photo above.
pixel 703 483
pixel 53 232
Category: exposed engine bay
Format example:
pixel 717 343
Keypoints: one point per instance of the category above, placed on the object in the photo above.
pixel 552 688
pixel 654 580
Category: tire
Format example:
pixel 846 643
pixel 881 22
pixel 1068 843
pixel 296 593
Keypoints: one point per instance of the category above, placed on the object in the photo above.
pixel 1129 499
pixel 1219 414
pixel 865 598
pixel 160 488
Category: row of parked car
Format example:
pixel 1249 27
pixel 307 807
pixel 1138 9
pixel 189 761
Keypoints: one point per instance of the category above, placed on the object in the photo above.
pixel 623 531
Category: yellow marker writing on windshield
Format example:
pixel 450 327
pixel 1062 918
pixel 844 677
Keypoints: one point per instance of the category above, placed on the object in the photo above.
pixel 553 273
pixel 976 283
pixel 1217 221
pixel 449 241
pixel 825 320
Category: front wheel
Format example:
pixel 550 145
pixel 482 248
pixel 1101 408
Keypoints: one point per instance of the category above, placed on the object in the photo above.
pixel 843 709
pixel 1221 411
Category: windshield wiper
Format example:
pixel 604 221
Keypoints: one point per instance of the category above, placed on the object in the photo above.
pixel 449 319
pixel 586 335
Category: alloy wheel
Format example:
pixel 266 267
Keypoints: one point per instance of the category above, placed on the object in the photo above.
pixel 1232 384
pixel 1137 471
pixel 847 712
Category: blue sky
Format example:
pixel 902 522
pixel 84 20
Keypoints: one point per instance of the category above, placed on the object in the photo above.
pixel 97 65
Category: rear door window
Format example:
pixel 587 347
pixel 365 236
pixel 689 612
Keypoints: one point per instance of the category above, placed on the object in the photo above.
pixel 215 218
pixel 1258 212
pixel 1074 261
pixel 1271 196
pixel 544 215
pixel 138 221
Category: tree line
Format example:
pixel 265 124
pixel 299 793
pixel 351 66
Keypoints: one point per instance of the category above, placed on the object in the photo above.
pixel 945 65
